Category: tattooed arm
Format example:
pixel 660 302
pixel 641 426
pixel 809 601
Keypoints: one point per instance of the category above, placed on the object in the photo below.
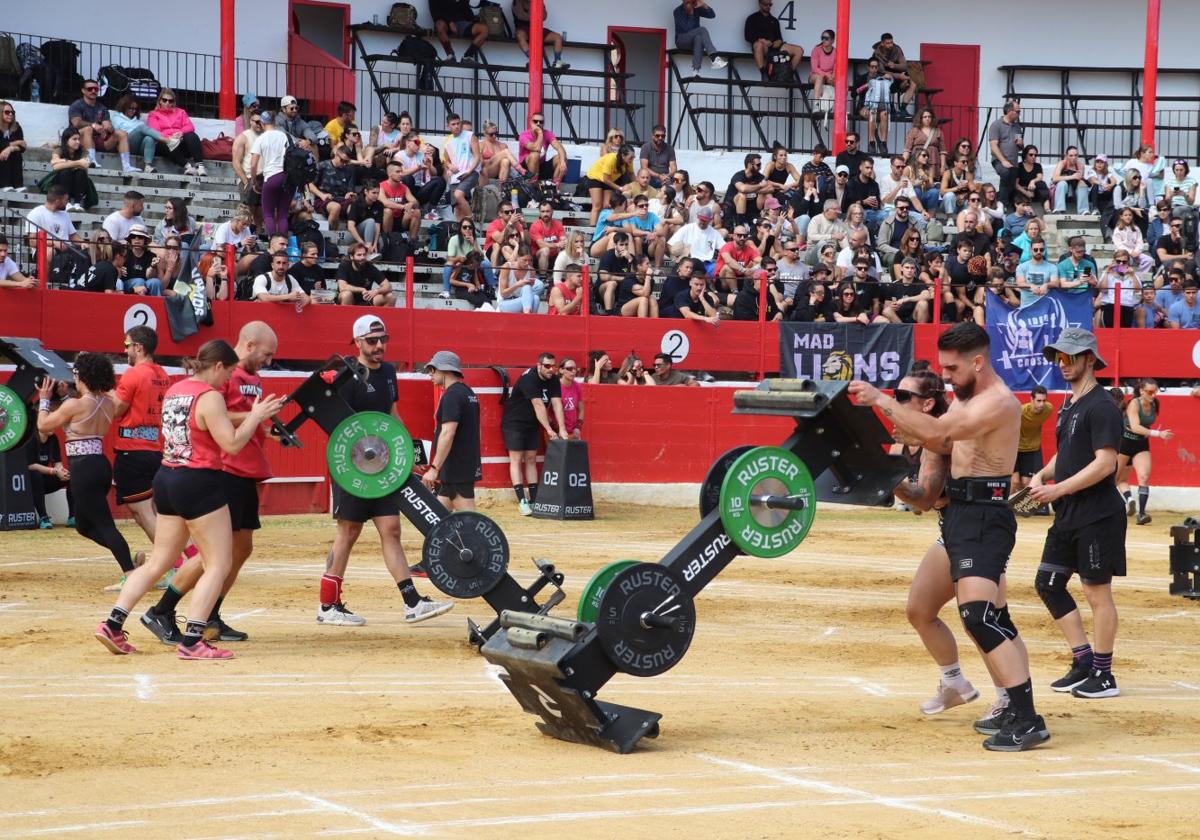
pixel 931 479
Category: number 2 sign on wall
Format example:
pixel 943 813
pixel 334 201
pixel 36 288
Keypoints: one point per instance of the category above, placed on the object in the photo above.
pixel 140 315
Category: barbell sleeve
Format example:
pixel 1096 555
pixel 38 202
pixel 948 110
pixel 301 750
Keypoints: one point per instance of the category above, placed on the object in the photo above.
pixel 778 502
pixel 673 623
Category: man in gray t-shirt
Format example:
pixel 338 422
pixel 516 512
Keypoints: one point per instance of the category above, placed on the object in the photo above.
pixel 1005 140
pixel 658 156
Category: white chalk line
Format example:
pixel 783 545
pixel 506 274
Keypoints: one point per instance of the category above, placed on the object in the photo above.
pixel 375 823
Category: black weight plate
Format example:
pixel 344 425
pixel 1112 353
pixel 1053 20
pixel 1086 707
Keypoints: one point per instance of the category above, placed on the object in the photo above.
pixel 466 554
pixel 710 490
pixel 634 647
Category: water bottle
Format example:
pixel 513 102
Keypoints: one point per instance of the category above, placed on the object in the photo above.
pixel 35 92
pixel 293 249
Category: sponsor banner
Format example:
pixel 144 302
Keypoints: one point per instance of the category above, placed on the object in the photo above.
pixel 1019 336
pixel 880 353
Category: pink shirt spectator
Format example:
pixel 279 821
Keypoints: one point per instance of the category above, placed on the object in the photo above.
pixel 572 397
pixel 526 138
pixel 822 63
pixel 170 122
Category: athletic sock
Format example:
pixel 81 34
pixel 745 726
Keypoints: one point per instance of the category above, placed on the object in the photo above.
pixel 519 489
pixel 951 673
pixel 125 160
pixel 193 632
pixel 1128 495
pixel 169 601
pixel 409 592
pixel 1102 662
pixel 215 615
pixel 116 619
pixel 532 491
pixel 1001 694
pixel 92 155
pixel 558 56
pixel 1020 698
pixel 1082 655
pixel 331 590
pixel 1143 497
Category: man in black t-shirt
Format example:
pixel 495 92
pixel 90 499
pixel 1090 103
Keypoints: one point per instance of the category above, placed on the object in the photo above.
pixel 103 276
pixel 672 286
pixel 138 261
pixel 454 465
pixel 762 33
pixel 852 156
pixel 376 391
pixel 907 300
pixel 359 283
pixel 614 266
pixel 1088 534
pixel 749 189
pixel 526 415
pixel 365 219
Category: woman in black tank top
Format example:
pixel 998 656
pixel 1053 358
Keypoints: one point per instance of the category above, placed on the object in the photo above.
pixel 1140 415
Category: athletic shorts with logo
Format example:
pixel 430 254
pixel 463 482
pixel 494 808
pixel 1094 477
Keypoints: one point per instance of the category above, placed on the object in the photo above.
pixel 1096 551
pixel 1029 463
pixel 979 537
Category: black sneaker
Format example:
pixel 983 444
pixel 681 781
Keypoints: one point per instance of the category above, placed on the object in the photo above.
pixel 218 630
pixel 1018 734
pixel 162 626
pixel 1079 672
pixel 419 570
pixel 993 720
pixel 1098 684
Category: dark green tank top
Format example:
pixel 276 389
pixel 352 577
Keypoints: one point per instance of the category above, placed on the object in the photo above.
pixel 1145 419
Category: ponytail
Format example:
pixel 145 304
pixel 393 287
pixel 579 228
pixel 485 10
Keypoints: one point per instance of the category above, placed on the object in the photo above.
pixel 210 353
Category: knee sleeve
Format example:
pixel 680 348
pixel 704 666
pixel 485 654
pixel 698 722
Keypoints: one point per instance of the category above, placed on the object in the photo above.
pixel 1006 623
pixel 979 619
pixel 1051 587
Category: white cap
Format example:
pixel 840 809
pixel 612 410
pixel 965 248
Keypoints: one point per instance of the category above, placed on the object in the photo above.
pixel 288 100
pixel 367 325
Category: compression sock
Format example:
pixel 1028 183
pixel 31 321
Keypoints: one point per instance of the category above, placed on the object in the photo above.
pixel 409 592
pixel 519 489
pixel 1128 495
pixel 192 633
pixel 1102 662
pixel 116 619
pixel 1020 699
pixel 532 491
pixel 331 590
pixel 215 615
pixel 1082 655
pixel 1143 497
pixel 169 601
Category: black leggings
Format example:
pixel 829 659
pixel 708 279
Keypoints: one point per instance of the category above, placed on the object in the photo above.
pixel 42 485
pixel 91 477
pixel 188 151
pixel 75 182
pixel 11 172
pixel 429 193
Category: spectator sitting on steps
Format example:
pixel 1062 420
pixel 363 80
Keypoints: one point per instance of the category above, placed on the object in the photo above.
pixel 658 157
pixel 90 118
pixel 289 121
pixel 615 265
pixel 566 297
pixel 690 35
pixel 748 189
pixel 418 170
pixel 521 13
pixel 70 167
pixel 278 286
pixel 698 240
pixel 119 222
pixel 454 18
pixel 10 274
pixel 498 159
pixel 471 282
pixel 762 33
pixel 333 189
pixel 460 162
pixel 635 292
pixel 365 219
pixel 182 144
pixel 534 142
pixel 698 303
pixel 360 283
pixel 12 149
pixel 547 236
pixel 399 203
pixel 344 119
pixel 126 116
pixel 737 260
pixel 892 61
pixel 520 288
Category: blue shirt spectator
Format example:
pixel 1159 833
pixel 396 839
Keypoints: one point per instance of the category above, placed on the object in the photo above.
pixel 1185 314
pixel 1035 272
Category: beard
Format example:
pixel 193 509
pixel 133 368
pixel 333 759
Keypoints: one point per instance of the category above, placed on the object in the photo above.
pixel 966 390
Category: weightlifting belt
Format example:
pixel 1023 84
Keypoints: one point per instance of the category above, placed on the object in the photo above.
pixel 983 490
pixel 85 446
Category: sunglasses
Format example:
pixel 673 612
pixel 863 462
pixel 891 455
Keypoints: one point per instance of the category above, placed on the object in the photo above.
pixel 164 99
pixel 128 344
pixel 373 341
pixel 861 267
pixel 660 136
pixel 91 89
pixel 902 395
pixel 739 236
pixel 506 212
pixel 1061 358
pixel 549 366
pixel 9 111
pixel 569 367
pixel 848 294
pixel 539 122
pixel 843 174
pixel 1135 177
pixel 1121 262
pixel 1176 227
pixel 826 38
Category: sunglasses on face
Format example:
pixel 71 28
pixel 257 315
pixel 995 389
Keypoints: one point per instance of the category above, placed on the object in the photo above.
pixel 539 122
pixel 128 344
pixel 848 294
pixel 860 268
pixel 1135 177
pixel 660 136
pixel 91 89
pixel 1121 262
pixel 826 38
pixel 547 365
pixel 902 395
pixel 9 111
pixel 569 367
pixel 1061 358
pixel 374 341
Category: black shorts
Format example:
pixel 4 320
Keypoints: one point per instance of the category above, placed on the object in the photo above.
pixel 1133 447
pixel 1029 463
pixel 189 493
pixel 979 538
pixel 1095 551
pixel 456 489
pixel 242 494
pixel 133 472
pixel 350 508
pixel 251 197
pixel 522 438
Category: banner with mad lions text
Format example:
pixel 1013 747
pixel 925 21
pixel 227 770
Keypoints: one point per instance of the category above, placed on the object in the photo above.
pixel 1020 335
pixel 880 353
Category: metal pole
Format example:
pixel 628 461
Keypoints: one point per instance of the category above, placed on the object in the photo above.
pixel 841 75
pixel 1150 74
pixel 762 328
pixel 43 259
pixel 537 13
pixel 1117 333
pixel 227 104
pixel 409 295
pixel 586 305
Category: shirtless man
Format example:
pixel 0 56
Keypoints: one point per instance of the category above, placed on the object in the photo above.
pixel 981 429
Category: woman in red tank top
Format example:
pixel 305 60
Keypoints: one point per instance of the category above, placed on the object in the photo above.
pixel 189 494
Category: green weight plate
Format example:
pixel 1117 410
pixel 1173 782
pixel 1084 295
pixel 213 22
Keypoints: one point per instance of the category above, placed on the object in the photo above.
pixel 760 530
pixel 14 419
pixel 710 490
pixel 370 454
pixel 589 599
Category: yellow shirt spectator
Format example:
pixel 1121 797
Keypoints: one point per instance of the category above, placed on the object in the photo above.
pixel 1031 427
pixel 335 130
pixel 607 169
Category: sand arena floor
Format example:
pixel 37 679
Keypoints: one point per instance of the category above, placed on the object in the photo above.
pixel 793 715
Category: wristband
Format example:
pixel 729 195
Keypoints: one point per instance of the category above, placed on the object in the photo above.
pixel 1155 433
pixel 43 405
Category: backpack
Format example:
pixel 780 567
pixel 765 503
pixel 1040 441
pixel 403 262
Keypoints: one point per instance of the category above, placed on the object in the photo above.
pixel 440 233
pixel 62 57
pixel 396 249
pixel 29 56
pixel 402 16
pixel 299 166
pixel 485 203
pixel 422 54
pixel 309 231
pixel 492 16
pixel 779 67
pixel 10 65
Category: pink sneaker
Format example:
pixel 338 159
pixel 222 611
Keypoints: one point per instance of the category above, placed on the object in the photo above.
pixel 202 650
pixel 949 696
pixel 118 643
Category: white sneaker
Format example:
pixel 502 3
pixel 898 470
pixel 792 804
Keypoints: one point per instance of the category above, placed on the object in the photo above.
pixel 949 696
pixel 339 615
pixel 148 169
pixel 525 508
pixel 129 169
pixel 444 295
pixel 426 609
pixel 73 207
pixel 200 170
pixel 1130 504
pixel 188 169
pixel 716 62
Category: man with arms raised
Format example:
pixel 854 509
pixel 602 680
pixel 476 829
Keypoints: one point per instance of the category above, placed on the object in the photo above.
pixel 1088 534
pixel 981 429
